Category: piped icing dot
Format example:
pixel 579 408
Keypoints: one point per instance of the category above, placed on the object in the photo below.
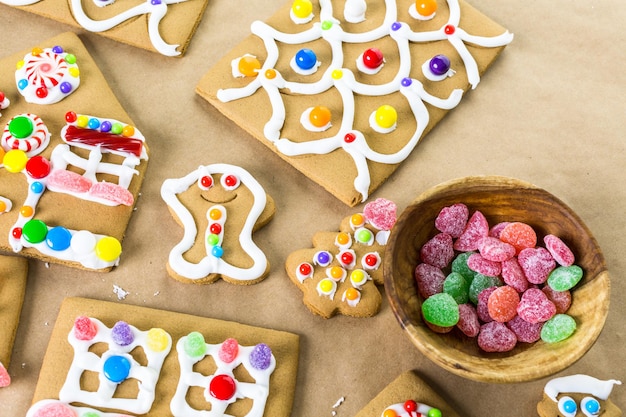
pixel 248 66
pixel 304 271
pixel 122 334
pixel 410 406
pixel 70 117
pixel 117 128
pixel 36 51
pixel 423 9
pixel 70 58
pixel 82 121
pixel 57 49
pixel 406 82
pixel 326 287
pixel 439 64
pixel 128 131
pixel 395 26
pixel 194 345
pixel 371 260
pixel 229 350
pixel 337 74
pixel 386 116
pixel 346 258
pixel 230 182
pixel 343 239
pixel 222 387
pixel 106 126
pixel 16 232
pixel 85 328
pixel 34 231
pixel 364 236
pixel 213 239
pixel 116 368
pixel 93 123
pixel 352 294
pixel 261 357
pixel 358 277
pixel 327 25
pixel 316 119
pixel 157 340
pixel 58 238
pixel 108 249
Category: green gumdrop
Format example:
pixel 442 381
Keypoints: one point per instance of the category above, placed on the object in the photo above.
pixel 480 283
pixel 558 328
pixel 194 345
pixel 459 264
pixel 565 278
pixel 457 287
pixel 441 310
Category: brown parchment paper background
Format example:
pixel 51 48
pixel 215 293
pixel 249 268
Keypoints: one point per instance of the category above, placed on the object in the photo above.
pixel 550 111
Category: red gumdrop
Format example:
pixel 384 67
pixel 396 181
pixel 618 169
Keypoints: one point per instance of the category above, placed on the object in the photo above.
pixel 496 337
pixel 482 307
pixel 84 328
pixel 561 253
pixel 476 228
pixel 493 249
pixel 537 263
pixel 524 331
pixel 438 251
pixel 497 229
pixel 229 350
pixel 535 307
pixel 477 263
pixel 452 219
pixel 429 280
pixel 562 299
pixel 513 275
pixel 468 320
pixel 520 235
pixel 502 304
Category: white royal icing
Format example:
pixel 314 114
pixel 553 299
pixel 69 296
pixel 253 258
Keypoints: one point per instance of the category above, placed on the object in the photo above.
pixel 4 104
pixel 582 384
pixel 211 264
pixel 422 409
pixel 7 204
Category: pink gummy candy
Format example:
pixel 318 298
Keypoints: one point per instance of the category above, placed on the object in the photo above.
pixel 381 213
pixel 482 307
pixel 496 337
pixel 537 263
pixel 496 229
pixel 526 332
pixel 453 219
pixel 55 409
pixel 468 320
pixel 493 249
pixel 438 251
pixel 535 307
pixel 561 253
pixel 112 192
pixel 477 263
pixel 502 304
pixel 562 299
pixel 5 378
pixel 476 228
pixel 429 280
pixel 513 275
pixel 84 328
pixel 229 350
pixel 68 181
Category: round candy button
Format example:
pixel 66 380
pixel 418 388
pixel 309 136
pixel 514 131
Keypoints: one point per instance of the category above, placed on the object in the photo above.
pixel 15 160
pixel 108 249
pixel 21 127
pixel 222 387
pixel 116 368
pixel 58 238
pixel 34 231
pixel 83 242
pixel 38 167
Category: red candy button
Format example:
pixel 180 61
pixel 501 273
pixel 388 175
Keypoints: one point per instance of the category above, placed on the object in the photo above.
pixel 38 167
pixel 222 387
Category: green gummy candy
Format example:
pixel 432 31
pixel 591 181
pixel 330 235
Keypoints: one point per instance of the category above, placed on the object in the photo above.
pixel 441 310
pixel 482 282
pixel 194 345
pixel 457 286
pixel 565 278
pixel 459 264
pixel 558 328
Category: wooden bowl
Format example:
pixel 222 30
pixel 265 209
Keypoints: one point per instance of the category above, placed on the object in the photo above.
pixel 499 199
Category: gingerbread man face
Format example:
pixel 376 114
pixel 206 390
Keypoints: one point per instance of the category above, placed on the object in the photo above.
pixel 219 207
pixel 578 395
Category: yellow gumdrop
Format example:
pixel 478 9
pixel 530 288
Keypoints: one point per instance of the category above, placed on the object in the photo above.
pixel 386 116
pixel 302 8
pixel 108 249
pixel 15 160
pixel 157 340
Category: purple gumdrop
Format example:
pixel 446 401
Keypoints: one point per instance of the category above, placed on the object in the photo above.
pixel 122 334
pixel 261 357
pixel 439 65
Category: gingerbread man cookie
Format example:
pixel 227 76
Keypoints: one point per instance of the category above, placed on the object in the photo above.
pixel 219 206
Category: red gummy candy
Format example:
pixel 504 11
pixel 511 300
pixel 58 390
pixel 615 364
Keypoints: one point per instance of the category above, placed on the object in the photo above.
pixel 482 307
pixel 453 219
pixel 562 299
pixel 84 328
pixel 496 337
pixel 381 213
pixel 520 235
pixel 537 263
pixel 229 350
pixel 513 275
pixel 5 378
pixel 476 228
pixel 468 320
pixel 493 249
pixel 524 331
pixel 438 251
pixel 477 263
pixel 535 307
pixel 429 280
pixel 502 304
pixel 497 229
pixel 561 253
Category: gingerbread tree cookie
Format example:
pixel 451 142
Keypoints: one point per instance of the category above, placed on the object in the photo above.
pixel 340 273
pixel 219 206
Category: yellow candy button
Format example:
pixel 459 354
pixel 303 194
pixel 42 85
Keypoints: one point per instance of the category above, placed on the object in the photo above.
pixel 15 160
pixel 108 249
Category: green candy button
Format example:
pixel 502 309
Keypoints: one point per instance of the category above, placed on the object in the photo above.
pixel 21 127
pixel 34 231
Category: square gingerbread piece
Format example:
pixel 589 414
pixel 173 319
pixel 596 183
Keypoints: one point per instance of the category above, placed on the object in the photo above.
pixel 344 90
pixel 114 358
pixel 72 160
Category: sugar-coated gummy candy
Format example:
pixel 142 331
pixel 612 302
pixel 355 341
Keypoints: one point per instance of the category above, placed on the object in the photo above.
pixel 561 253
pixel 5 378
pixel 84 328
pixel 513 275
pixel 457 286
pixel 122 334
pixel 429 279
pixel 535 307
pixel 480 283
pixel 524 331
pixel 561 299
pixel 229 350
pixel 468 320
pixel 493 249
pixel 477 263
pixel 537 263
pixel 565 278
pixel 261 357
pixel 381 213
pixel 55 409
pixel 438 251
pixel 452 219
pixel 195 345
pixel 497 229
pixel 502 303
pixel 520 235
pixel 459 264
pixel 476 228
pixel 558 328
pixel 482 305
pixel 441 310
pixel 496 337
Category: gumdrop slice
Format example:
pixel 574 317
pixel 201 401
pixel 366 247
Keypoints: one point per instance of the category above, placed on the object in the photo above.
pixel 477 263
pixel 561 253
pixel 537 263
pixel 438 251
pixel 513 275
pixel 558 328
pixel 561 299
pixel 452 219
pixel 495 250
pixel 468 320
pixel 565 278
pixel 535 307
pixel 496 337
pixel 477 227
pixel 524 331
pixel 519 235
pixel 429 280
